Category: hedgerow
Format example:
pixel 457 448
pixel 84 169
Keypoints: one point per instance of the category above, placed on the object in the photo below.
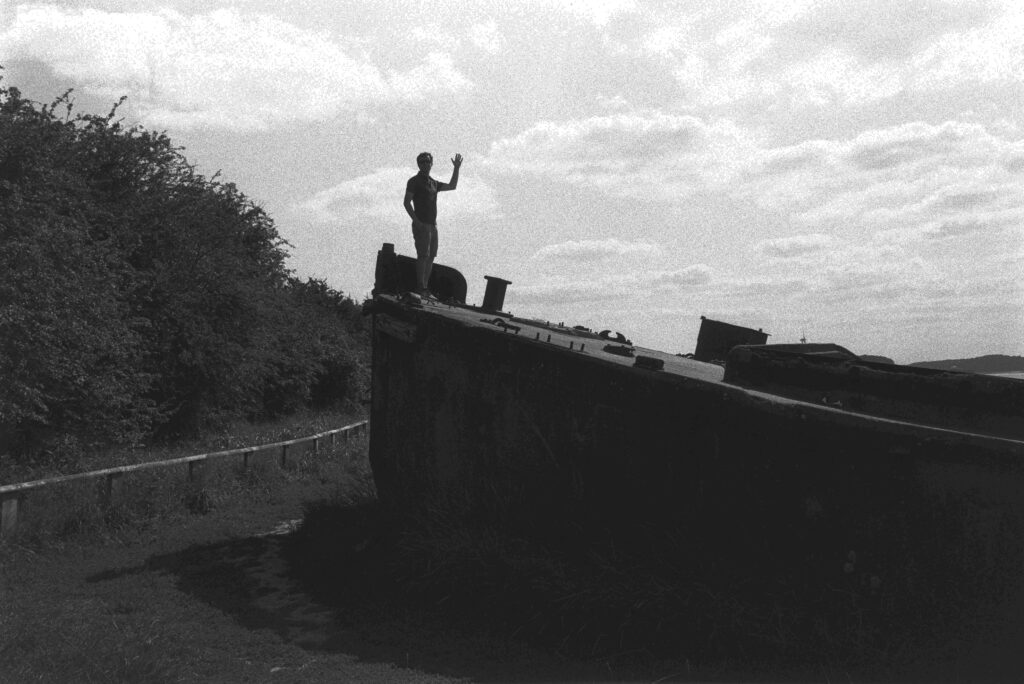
pixel 141 300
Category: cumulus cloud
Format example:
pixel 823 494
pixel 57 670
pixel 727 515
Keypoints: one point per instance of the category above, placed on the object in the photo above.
pixel 597 11
pixel 636 153
pixel 834 53
pixel 596 250
pixel 795 246
pixel 220 68
pixel 619 287
pixel 914 177
pixel 487 37
pixel 379 196
pixel 908 177
pixel 876 30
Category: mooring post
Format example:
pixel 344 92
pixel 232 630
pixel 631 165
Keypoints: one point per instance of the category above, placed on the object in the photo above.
pixel 494 294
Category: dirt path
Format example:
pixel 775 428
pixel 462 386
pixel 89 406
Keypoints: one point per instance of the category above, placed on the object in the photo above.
pixel 212 598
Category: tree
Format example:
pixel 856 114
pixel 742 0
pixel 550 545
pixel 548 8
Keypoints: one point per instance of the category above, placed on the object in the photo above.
pixel 139 298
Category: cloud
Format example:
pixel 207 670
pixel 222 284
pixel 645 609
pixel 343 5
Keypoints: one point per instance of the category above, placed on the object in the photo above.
pixel 875 30
pixel 487 37
pixel 220 68
pixel 616 287
pixel 795 246
pixel 638 153
pixel 600 12
pixel 910 177
pixel 694 276
pixel 379 196
pixel 904 178
pixel 596 250
pixel 437 74
pixel 768 56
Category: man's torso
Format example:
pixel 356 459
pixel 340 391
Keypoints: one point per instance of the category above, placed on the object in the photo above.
pixel 424 196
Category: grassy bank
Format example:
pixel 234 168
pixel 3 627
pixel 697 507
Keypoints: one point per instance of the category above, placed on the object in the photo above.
pixel 157 496
pixel 127 595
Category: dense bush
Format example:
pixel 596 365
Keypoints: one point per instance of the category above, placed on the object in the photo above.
pixel 140 299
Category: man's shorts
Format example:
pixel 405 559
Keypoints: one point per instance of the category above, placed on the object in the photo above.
pixel 425 237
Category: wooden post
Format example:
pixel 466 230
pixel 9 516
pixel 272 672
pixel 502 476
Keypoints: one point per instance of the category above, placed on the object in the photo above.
pixel 316 446
pixel 245 457
pixel 107 491
pixel 9 515
pixel 284 454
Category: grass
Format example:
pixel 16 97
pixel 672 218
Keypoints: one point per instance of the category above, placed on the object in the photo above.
pixel 155 496
pixel 237 434
pixel 201 595
pixel 176 583
pixel 93 595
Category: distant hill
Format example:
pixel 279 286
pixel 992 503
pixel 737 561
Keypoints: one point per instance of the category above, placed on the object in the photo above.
pixel 992 363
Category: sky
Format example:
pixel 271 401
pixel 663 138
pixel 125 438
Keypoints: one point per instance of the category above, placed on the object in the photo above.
pixel 845 171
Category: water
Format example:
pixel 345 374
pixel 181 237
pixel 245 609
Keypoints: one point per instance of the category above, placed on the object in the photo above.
pixel 1019 375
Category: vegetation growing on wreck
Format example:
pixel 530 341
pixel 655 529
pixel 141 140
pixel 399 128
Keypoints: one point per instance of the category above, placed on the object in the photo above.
pixel 140 300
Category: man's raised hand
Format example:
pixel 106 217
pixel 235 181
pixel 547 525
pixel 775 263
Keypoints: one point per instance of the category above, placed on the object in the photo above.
pixel 457 160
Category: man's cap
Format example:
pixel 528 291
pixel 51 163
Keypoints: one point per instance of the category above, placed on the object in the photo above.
pixel 424 156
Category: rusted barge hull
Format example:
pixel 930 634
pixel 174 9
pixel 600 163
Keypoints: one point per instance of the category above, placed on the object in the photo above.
pixel 780 499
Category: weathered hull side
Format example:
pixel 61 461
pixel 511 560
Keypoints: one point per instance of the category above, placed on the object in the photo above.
pixel 777 499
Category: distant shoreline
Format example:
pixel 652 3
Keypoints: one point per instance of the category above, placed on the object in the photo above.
pixel 991 364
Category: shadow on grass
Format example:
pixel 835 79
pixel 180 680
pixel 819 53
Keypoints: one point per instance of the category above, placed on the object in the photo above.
pixel 332 586
pixel 480 604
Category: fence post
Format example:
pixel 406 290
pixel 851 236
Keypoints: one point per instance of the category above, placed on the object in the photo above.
pixel 245 458
pixel 316 446
pixel 107 491
pixel 284 454
pixel 8 514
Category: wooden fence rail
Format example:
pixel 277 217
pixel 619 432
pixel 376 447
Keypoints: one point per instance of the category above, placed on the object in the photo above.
pixel 12 495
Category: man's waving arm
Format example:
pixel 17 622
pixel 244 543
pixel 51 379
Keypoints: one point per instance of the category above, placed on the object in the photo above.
pixel 454 182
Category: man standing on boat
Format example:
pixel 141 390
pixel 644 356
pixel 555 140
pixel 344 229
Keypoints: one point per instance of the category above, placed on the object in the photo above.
pixel 421 204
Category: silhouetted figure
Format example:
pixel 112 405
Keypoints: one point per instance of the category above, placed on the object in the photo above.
pixel 421 204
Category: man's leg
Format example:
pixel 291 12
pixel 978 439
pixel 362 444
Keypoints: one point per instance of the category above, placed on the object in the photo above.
pixel 421 236
pixel 431 253
pixel 422 272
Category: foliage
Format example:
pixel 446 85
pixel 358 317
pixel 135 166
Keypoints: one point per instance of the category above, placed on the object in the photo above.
pixel 140 299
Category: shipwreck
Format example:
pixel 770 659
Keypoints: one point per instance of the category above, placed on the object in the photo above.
pixel 794 475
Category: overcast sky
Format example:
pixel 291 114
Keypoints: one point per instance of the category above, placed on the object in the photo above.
pixel 849 171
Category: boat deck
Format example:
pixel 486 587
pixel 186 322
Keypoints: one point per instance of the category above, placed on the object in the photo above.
pixel 571 339
pixel 587 343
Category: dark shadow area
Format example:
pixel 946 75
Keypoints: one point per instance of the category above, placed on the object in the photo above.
pixel 466 600
pixel 333 586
